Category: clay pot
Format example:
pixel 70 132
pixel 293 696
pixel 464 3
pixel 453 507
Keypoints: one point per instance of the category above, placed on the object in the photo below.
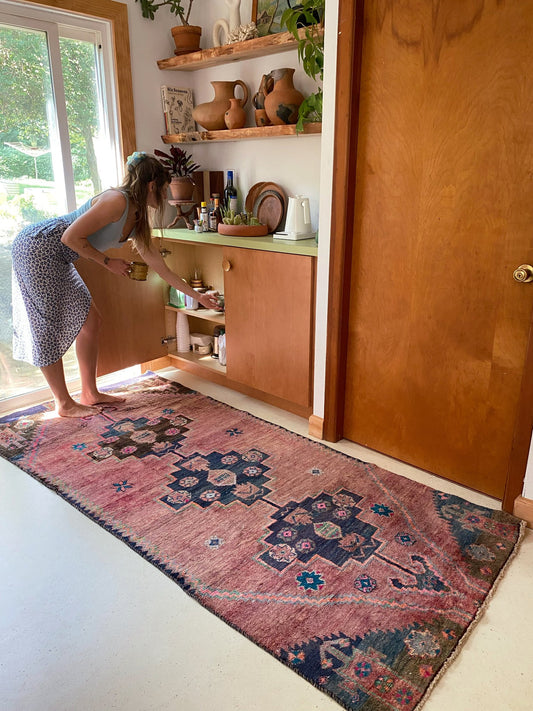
pixel 210 115
pixel 283 102
pixel 186 38
pixel 265 87
pixel 181 188
pixel 261 118
pixel 235 116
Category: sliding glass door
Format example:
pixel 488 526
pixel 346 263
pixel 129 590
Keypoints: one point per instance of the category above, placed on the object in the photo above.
pixel 58 141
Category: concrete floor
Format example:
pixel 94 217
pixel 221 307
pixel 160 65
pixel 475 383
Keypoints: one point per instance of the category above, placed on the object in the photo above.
pixel 87 624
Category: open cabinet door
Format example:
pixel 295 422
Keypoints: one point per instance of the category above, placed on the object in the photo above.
pixel 132 312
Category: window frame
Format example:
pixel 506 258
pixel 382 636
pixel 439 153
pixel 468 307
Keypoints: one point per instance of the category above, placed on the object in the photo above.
pixel 117 15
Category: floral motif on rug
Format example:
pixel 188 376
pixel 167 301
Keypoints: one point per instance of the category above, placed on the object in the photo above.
pixel 362 581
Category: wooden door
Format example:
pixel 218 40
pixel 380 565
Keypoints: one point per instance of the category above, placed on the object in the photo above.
pixel 269 324
pixel 437 326
pixel 132 312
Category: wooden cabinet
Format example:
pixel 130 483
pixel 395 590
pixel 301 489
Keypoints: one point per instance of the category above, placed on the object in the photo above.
pixel 269 323
pixel 269 318
pixel 133 318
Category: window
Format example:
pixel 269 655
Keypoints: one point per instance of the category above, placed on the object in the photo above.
pixel 60 137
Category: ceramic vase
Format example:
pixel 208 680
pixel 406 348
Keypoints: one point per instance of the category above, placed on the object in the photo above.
pixel 261 118
pixel 283 102
pixel 235 116
pixel 210 115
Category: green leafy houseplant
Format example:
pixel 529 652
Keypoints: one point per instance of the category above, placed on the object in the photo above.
pixel 305 22
pixel 176 7
pixel 178 162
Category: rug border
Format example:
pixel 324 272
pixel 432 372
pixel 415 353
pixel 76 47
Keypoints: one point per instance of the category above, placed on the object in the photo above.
pixel 477 618
pixel 185 587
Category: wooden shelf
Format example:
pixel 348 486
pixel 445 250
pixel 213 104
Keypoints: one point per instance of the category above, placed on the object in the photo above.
pixel 218 317
pixel 239 134
pixel 249 49
pixel 202 365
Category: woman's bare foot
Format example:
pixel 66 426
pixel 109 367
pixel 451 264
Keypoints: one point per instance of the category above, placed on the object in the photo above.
pixel 75 409
pixel 98 398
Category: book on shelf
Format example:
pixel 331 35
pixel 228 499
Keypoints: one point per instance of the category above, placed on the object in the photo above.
pixel 177 110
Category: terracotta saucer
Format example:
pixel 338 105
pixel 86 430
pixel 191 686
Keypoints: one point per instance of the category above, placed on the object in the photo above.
pixel 270 209
pixel 267 187
pixel 252 196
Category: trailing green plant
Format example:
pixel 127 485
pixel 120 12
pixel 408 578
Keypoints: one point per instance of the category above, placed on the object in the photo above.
pixel 178 162
pixel 180 8
pixel 305 22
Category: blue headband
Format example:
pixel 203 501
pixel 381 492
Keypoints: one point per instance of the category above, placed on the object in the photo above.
pixel 135 158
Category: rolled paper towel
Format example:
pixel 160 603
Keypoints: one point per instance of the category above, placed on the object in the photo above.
pixel 183 341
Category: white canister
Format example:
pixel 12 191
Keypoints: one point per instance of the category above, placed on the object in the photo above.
pixel 190 302
pixel 222 349
pixel 183 340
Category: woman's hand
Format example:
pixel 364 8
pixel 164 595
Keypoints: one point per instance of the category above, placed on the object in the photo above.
pixel 119 266
pixel 209 301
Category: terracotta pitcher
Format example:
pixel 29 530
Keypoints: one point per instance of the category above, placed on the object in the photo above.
pixel 235 116
pixel 283 102
pixel 211 114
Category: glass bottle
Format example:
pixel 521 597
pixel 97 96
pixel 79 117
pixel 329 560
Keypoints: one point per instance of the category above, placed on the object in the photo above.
pixel 230 193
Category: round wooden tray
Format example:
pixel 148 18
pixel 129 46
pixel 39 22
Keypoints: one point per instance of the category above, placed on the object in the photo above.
pixel 243 230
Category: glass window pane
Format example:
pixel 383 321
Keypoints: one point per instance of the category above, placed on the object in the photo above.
pixel 29 192
pixel 88 141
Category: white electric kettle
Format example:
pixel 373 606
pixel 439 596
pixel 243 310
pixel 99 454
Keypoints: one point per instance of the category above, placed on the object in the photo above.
pixel 298 221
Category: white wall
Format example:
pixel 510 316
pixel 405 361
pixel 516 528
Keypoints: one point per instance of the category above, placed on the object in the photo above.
pixel 294 163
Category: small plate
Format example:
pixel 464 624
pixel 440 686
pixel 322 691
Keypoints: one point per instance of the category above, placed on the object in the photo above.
pixel 270 209
pixel 268 187
pixel 252 196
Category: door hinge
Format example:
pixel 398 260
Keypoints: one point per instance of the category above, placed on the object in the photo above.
pixel 167 339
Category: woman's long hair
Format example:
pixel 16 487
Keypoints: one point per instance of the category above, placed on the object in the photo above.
pixel 141 171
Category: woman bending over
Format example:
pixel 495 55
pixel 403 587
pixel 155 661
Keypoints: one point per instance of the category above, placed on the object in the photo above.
pixel 52 306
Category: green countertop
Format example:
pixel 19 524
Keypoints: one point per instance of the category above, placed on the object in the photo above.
pixel 306 247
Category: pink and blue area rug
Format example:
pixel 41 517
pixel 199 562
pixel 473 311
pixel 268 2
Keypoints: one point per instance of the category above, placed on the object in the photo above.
pixel 362 581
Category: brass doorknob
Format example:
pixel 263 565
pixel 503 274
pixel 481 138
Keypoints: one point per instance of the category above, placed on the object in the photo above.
pixel 226 265
pixel 524 273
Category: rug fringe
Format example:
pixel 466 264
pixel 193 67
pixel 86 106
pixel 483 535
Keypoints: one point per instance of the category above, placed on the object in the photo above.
pixel 479 614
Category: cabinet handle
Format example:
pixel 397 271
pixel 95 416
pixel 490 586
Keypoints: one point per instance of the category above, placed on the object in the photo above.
pixel 226 265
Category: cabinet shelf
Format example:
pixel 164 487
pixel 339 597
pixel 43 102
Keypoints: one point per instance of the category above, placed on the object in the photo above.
pixel 205 314
pixel 249 49
pixel 239 134
pixel 201 365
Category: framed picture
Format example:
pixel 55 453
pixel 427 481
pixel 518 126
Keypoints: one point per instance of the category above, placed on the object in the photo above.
pixel 267 15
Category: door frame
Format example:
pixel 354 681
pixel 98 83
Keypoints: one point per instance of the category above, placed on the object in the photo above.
pixel 348 81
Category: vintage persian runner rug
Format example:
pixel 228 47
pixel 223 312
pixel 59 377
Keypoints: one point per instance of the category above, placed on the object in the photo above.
pixel 360 580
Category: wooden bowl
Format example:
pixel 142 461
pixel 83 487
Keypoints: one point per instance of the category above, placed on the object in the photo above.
pixel 243 230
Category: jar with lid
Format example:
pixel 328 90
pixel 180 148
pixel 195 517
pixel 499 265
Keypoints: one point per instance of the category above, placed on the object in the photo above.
pixel 218 331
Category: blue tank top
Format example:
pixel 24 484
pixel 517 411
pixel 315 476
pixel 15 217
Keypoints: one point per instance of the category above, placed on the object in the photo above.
pixel 109 236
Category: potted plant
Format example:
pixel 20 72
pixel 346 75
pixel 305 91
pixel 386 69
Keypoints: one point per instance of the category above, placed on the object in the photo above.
pixel 305 22
pixel 186 37
pixel 181 166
